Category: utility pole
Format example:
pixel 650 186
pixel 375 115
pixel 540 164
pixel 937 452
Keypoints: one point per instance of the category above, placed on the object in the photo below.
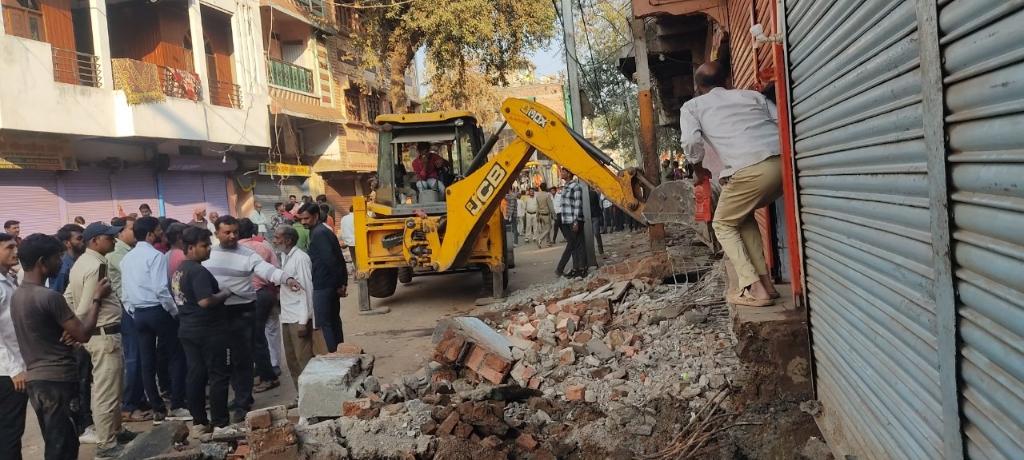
pixel 648 136
pixel 573 73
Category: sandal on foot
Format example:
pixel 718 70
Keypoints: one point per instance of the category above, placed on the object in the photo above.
pixel 744 298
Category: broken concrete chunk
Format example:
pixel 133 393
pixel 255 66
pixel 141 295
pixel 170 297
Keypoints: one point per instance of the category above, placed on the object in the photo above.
pixel 156 441
pixel 599 349
pixel 327 381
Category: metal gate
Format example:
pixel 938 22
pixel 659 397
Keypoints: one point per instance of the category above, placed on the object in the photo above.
pixel 982 46
pixel 863 177
pixel 908 124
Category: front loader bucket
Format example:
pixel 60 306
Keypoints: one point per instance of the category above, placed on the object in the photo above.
pixel 670 202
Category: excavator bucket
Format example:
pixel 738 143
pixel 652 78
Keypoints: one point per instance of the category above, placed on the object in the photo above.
pixel 670 202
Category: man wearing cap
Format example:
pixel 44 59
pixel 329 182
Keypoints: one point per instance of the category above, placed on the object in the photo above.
pixel 104 345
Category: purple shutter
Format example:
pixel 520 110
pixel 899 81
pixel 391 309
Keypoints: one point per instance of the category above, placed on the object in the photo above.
pixel 30 197
pixel 182 193
pixel 86 193
pixel 132 187
pixel 215 188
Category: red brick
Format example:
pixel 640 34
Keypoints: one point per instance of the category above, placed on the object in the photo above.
pixel 575 392
pixel 269 439
pixel 463 430
pixel 566 356
pixel 258 419
pixel 489 366
pixel 349 349
pixel 524 331
pixel 522 373
pixel 362 408
pixel 535 383
pixel 449 347
pixel 526 441
pixel 582 336
pixel 444 374
pixel 552 308
pixel 491 442
pixel 278 453
pixel 628 351
pixel 448 424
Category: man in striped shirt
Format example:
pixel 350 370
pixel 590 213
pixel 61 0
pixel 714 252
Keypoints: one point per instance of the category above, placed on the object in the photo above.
pixel 234 266
pixel 571 213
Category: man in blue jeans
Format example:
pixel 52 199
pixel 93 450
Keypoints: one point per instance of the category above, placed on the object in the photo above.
pixel 147 299
pixel 330 276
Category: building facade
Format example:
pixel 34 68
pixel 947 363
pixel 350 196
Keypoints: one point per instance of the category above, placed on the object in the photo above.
pixel 179 104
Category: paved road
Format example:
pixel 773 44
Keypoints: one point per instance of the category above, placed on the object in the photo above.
pixel 400 339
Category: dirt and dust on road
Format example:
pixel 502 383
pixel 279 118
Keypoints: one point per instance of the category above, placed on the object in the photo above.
pixel 637 360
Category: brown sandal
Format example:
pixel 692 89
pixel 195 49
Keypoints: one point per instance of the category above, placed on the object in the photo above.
pixel 744 298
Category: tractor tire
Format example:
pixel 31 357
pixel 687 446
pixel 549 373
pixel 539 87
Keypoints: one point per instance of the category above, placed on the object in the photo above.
pixel 405 275
pixel 382 282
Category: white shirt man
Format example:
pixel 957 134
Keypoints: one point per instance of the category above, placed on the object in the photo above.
pixel 144 279
pixel 297 320
pixel 741 125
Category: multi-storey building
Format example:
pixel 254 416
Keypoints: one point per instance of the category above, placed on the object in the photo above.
pixel 105 105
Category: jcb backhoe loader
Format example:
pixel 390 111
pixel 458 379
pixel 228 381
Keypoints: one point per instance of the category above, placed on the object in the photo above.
pixel 404 232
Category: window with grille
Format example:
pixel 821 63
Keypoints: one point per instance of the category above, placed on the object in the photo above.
pixel 373 106
pixel 353 106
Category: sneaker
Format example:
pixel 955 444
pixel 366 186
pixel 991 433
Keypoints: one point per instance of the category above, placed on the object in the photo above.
pixel 159 417
pixel 126 436
pixel 179 414
pixel 88 436
pixel 198 430
pixel 226 431
pixel 113 451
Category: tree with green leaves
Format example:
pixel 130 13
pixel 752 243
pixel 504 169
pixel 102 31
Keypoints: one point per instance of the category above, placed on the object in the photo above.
pixel 489 37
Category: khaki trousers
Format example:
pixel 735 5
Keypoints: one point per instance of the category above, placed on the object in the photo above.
pixel 531 227
pixel 297 350
pixel 107 383
pixel 750 188
pixel 543 235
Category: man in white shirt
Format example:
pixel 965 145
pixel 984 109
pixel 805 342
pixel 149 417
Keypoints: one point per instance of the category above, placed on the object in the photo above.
pixel 257 218
pixel 742 127
pixel 13 400
pixel 147 298
pixel 296 306
pixel 348 234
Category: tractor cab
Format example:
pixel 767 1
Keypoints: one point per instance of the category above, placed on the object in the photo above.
pixel 446 143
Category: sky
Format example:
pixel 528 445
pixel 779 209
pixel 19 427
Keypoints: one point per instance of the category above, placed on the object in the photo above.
pixel 549 61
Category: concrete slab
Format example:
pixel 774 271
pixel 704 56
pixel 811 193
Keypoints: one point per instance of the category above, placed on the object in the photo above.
pixel 329 380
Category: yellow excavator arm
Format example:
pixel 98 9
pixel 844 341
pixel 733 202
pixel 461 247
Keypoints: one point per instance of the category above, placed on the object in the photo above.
pixel 474 200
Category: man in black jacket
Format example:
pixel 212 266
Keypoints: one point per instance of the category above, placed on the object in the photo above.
pixel 330 277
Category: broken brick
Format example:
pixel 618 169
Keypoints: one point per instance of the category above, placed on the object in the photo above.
pixel 491 442
pixel 535 383
pixel 575 392
pixel 258 419
pixel 522 373
pixel 429 427
pixel 361 408
pixel 487 365
pixel 463 430
pixel 566 356
pixel 552 308
pixel 526 441
pixel 449 347
pixel 582 337
pixel 349 349
pixel 524 331
pixel 448 424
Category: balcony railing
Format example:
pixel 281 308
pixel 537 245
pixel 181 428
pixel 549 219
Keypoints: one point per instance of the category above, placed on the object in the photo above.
pixel 314 7
pixel 290 76
pixel 225 94
pixel 183 84
pixel 76 68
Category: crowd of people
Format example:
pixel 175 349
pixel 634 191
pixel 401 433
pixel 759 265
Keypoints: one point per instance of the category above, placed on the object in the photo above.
pixel 147 318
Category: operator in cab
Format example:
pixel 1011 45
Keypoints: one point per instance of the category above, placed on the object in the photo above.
pixel 428 166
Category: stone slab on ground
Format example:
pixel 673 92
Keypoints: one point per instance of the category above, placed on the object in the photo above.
pixel 329 380
pixel 155 442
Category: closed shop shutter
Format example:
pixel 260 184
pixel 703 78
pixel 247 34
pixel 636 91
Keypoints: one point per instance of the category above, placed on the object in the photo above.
pixel 269 191
pixel 182 193
pixel 983 69
pixel 86 193
pixel 741 47
pixel 30 197
pixel 215 189
pixel 862 173
pixel 134 186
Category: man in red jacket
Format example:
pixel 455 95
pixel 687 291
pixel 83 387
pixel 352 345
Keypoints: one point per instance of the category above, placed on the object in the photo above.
pixel 427 166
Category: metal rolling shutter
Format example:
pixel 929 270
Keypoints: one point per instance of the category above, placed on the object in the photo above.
pixel 862 173
pixel 215 190
pixel 983 49
pixel 269 191
pixel 740 45
pixel 182 193
pixel 134 186
pixel 30 197
pixel 86 193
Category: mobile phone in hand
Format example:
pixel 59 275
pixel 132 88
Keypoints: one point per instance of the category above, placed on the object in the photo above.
pixel 103 271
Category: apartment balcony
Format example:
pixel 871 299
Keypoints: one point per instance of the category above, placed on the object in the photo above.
pixel 289 76
pixel 225 94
